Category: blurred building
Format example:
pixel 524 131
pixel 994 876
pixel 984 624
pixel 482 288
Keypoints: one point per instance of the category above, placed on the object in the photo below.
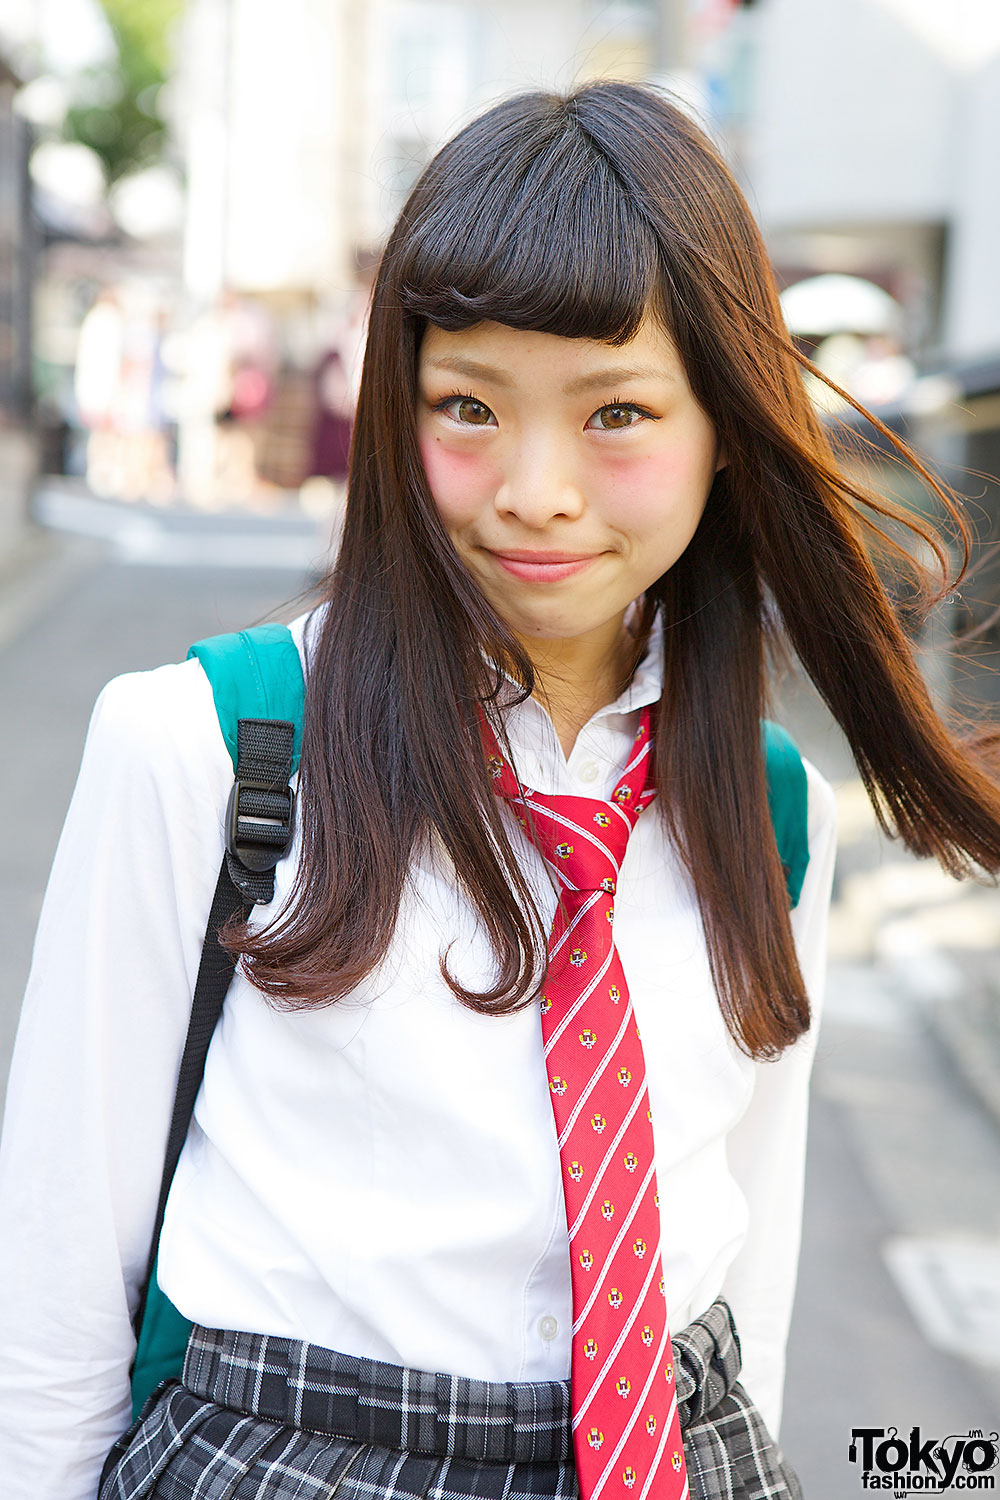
pixel 17 447
pixel 301 140
pixel 16 257
pixel 870 145
pixel 867 134
pixel 865 131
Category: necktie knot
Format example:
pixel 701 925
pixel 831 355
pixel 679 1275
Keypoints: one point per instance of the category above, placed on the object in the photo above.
pixel 583 839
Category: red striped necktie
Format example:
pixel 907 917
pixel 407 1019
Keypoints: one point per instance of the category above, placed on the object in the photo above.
pixel 626 1427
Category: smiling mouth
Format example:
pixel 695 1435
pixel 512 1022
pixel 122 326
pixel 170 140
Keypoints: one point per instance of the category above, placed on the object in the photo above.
pixel 543 567
pixel 536 555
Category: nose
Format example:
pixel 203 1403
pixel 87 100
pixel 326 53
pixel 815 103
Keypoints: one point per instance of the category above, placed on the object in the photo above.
pixel 539 484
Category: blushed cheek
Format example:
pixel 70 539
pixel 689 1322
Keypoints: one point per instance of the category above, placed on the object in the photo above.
pixel 661 489
pixel 461 483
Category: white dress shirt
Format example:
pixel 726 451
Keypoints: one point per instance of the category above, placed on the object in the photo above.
pixel 379 1176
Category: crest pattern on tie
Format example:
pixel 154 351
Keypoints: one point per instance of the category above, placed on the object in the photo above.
pixel 626 1427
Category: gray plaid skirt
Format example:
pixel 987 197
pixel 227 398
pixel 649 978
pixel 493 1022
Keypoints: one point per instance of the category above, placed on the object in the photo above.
pixel 260 1418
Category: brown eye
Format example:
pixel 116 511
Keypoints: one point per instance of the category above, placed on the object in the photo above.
pixel 473 413
pixel 617 416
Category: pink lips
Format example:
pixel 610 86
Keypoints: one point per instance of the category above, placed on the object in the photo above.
pixel 543 567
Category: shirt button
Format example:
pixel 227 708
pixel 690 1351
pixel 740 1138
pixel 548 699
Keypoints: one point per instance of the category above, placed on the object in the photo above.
pixel 589 771
pixel 547 1328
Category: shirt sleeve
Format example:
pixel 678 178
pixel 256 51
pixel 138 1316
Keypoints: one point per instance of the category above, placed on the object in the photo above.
pixel 94 1068
pixel 766 1149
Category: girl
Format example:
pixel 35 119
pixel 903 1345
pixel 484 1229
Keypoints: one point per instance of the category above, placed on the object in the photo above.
pixel 418 1223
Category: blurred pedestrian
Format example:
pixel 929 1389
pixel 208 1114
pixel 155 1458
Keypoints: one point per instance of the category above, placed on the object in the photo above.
pixel 557 897
pixel 228 384
pixel 97 383
pixel 331 440
pixel 145 470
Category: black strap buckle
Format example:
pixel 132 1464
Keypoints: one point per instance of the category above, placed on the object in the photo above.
pixel 260 818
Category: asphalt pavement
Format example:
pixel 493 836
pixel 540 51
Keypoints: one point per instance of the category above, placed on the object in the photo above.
pixel 897 1320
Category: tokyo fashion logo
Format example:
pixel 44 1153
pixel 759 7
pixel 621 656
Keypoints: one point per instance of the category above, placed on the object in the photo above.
pixel 960 1461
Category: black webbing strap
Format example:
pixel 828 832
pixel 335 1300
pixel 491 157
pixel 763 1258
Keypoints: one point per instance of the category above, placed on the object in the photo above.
pixel 215 973
pixel 259 824
pixel 261 805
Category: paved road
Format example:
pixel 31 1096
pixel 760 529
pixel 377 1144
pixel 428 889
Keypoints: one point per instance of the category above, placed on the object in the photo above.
pixel 898 1151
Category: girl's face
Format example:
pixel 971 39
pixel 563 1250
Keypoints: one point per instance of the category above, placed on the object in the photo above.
pixel 570 474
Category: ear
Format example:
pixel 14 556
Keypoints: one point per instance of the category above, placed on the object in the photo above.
pixel 721 458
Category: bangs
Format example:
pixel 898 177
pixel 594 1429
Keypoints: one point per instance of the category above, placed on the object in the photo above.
pixel 521 220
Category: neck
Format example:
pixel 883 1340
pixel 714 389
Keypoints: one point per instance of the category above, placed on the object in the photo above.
pixel 576 677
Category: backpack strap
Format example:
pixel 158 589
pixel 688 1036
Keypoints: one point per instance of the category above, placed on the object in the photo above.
pixel 259 694
pixel 255 674
pixel 788 800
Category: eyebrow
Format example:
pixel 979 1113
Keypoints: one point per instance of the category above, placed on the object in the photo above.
pixel 597 378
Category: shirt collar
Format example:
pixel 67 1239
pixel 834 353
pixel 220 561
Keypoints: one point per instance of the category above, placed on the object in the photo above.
pixel 647 679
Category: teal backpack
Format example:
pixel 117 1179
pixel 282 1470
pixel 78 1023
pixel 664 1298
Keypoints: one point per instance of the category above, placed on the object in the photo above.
pixel 257 683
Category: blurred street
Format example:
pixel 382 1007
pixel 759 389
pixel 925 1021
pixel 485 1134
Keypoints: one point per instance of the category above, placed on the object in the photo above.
pixel 901 1249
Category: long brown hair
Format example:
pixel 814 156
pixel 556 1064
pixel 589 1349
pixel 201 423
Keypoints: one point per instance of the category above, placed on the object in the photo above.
pixel 573 215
